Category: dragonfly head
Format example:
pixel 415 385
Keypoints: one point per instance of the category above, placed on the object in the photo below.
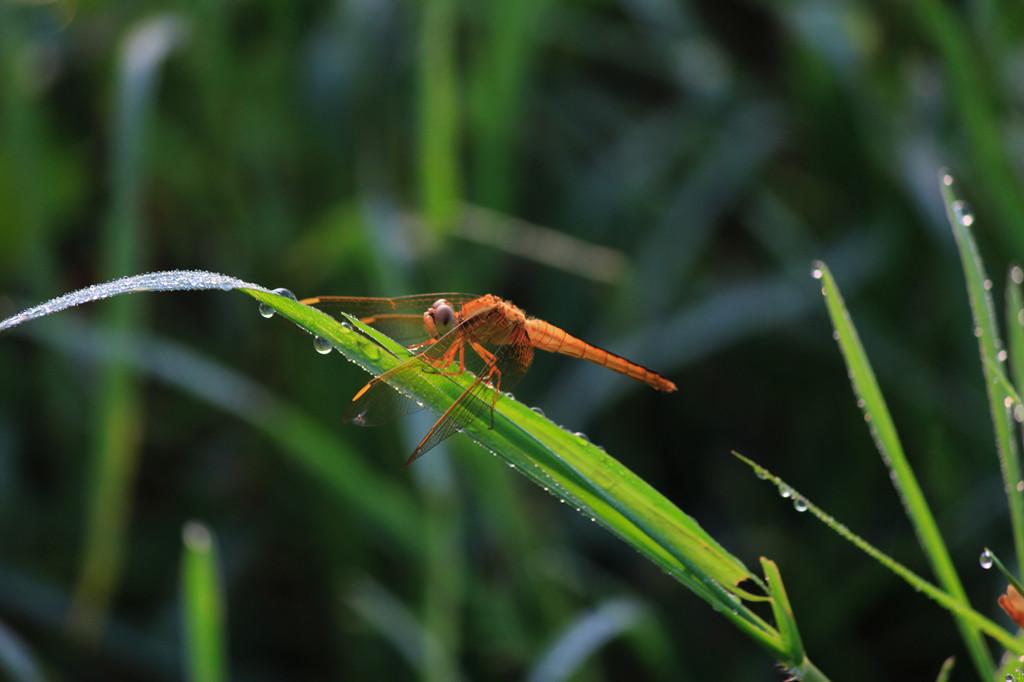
pixel 440 318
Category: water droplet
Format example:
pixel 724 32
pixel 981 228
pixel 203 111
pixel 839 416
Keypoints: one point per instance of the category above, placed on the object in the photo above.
pixel 1001 356
pixel 322 345
pixel 835 336
pixel 537 410
pixel 985 560
pixel 582 436
pixel 1007 402
pixel 268 312
pixel 963 213
pixel 977 332
pixel 800 504
pixel 987 284
pixel 196 536
pixel 1020 486
pixel 816 269
pixel 1017 274
pixel 947 179
pixel 1009 677
pixel 761 473
pixel 785 491
pixel 281 291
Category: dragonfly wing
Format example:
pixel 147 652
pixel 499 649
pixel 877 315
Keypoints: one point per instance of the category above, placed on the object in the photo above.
pixel 400 318
pixel 378 403
pixel 382 400
pixel 498 367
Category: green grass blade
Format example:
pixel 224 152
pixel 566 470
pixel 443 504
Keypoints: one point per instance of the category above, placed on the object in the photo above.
pixel 568 466
pixel 1014 331
pixel 565 464
pixel 880 424
pixel 977 113
pixel 17 663
pixel 992 354
pixel 203 605
pixel 946 670
pixel 439 114
pixel 118 415
pixel 584 637
pixel 958 607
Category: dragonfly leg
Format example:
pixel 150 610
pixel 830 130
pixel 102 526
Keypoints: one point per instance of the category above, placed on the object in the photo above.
pixel 494 381
pixel 447 359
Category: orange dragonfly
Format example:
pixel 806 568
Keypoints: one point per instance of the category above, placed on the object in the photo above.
pixel 490 337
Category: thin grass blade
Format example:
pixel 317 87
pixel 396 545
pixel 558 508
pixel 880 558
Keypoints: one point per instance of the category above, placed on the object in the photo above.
pixel 957 607
pixel 883 431
pixel 990 347
pixel 203 601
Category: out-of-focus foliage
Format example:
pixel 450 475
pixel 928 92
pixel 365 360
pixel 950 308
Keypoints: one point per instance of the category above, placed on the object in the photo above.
pixel 653 176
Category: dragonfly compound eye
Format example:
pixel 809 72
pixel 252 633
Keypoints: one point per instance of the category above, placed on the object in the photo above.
pixel 444 316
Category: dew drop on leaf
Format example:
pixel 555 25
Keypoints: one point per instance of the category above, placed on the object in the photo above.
pixel 985 560
pixel 281 291
pixel 322 345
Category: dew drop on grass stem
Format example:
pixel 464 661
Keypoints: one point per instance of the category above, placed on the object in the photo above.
pixel 322 345
pixel 266 310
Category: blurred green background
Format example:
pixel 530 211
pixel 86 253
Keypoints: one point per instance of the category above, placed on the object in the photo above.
pixel 653 176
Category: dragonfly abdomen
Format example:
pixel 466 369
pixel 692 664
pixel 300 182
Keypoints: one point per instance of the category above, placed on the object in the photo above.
pixel 548 337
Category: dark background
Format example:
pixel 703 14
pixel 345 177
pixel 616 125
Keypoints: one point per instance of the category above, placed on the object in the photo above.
pixel 708 151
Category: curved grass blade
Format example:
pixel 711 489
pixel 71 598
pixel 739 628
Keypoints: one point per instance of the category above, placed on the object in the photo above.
pixel 17 663
pixel 569 467
pixel 883 431
pixel 565 464
pixel 584 637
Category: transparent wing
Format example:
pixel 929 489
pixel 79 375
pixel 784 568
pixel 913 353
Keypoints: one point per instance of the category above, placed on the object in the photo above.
pixel 499 368
pixel 400 318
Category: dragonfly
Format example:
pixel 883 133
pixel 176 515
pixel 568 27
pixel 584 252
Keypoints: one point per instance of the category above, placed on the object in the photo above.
pixel 452 334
